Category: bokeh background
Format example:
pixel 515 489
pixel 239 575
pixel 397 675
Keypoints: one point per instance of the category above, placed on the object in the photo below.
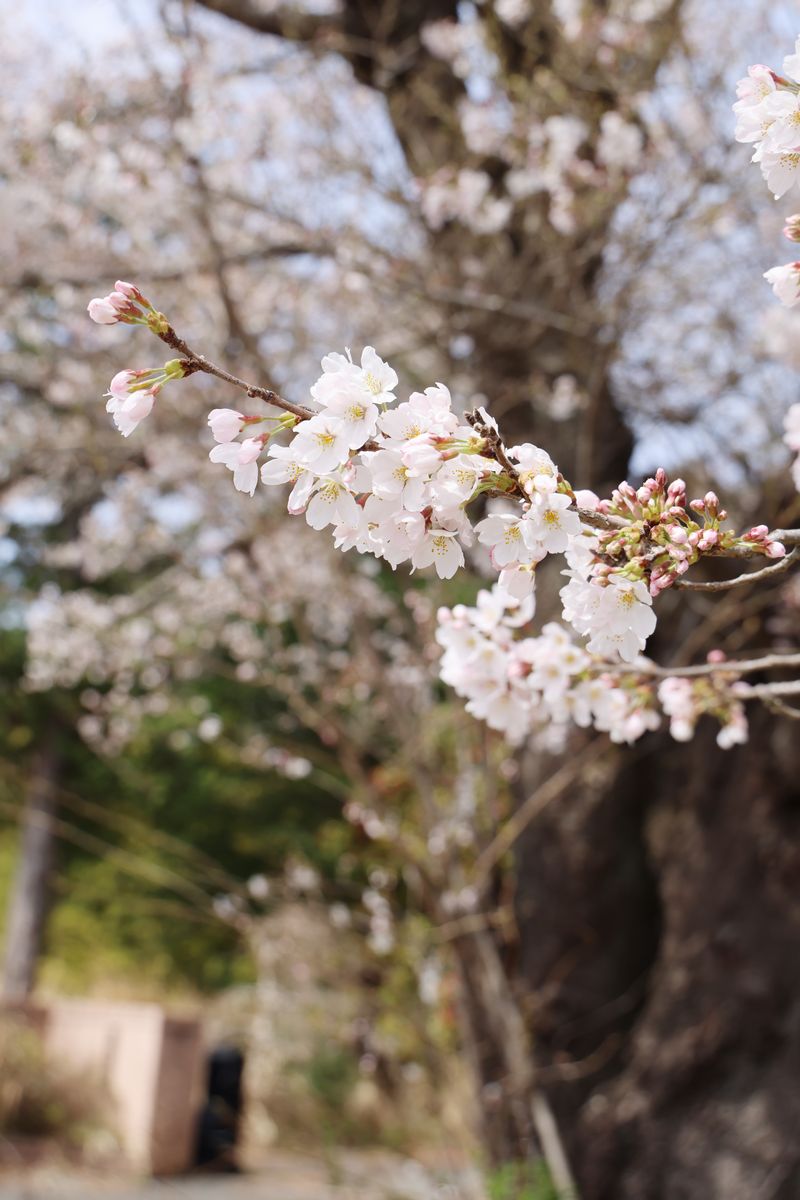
pixel 230 781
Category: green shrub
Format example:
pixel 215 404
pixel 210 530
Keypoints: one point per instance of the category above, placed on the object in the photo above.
pixel 522 1181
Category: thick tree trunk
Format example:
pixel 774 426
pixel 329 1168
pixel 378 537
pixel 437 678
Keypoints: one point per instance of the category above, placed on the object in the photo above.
pixel 661 954
pixel 30 896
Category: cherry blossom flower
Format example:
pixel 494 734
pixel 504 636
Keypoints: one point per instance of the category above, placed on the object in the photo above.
pixel 240 458
pixel 441 548
pixel 785 283
pixel 283 467
pixel 321 445
pixel 331 504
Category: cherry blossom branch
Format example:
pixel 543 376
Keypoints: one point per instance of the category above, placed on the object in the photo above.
pixel 198 362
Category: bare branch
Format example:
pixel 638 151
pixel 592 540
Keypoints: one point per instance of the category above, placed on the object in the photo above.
pixel 769 691
pixel 769 662
pixel 724 585
pixel 197 362
pixel 287 22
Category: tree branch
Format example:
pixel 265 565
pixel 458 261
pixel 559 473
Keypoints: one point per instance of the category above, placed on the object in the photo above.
pixel 769 662
pixel 724 585
pixel 197 362
pixel 287 22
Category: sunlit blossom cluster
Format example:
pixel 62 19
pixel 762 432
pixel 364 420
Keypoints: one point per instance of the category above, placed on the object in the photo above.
pixel 768 116
pixel 523 685
pixel 396 480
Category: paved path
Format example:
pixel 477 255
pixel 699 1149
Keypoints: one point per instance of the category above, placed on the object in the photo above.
pixel 343 1175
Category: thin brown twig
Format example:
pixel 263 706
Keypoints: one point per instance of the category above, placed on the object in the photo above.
pixel 198 362
pixel 545 794
pixel 769 662
pixel 724 585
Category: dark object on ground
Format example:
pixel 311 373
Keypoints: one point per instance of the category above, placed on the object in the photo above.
pixel 218 1124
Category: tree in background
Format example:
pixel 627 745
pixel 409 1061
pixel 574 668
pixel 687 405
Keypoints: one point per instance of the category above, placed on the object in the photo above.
pixel 523 130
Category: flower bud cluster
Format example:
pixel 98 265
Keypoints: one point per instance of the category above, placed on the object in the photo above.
pixel 127 305
pixel 661 538
pixel 131 393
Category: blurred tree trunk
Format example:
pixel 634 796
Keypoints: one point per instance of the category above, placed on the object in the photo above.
pixel 30 895
pixel 659 932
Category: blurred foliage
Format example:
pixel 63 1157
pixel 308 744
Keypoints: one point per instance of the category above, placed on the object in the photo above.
pixel 148 840
pixel 522 1181
pixel 36 1098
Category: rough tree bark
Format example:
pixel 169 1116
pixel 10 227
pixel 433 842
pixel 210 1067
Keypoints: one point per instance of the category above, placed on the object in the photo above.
pixel 30 895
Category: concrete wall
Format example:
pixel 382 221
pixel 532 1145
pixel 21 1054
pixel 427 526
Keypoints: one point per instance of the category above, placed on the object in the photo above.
pixel 150 1066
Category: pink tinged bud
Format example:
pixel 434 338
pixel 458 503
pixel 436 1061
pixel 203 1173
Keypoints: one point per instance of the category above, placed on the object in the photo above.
pixel 711 499
pixel 644 495
pixel 716 656
pixel 102 312
pixel 678 535
pixel 118 301
pixel 586 499
pixel 661 477
pixel 225 424
pixel 775 550
pixel 127 289
pixel 121 383
pixel 757 533
pixel 791 229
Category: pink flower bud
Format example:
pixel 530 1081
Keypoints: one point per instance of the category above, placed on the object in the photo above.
pixel 791 229
pixel 775 550
pixel 716 656
pixel 678 535
pixel 586 499
pixel 127 289
pixel 120 385
pixel 102 311
pixel 225 424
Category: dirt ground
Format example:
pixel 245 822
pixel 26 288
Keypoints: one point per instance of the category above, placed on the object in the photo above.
pixel 284 1175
